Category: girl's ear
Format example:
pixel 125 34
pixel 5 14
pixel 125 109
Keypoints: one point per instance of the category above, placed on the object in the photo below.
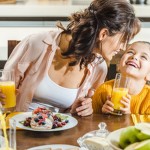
pixel 103 34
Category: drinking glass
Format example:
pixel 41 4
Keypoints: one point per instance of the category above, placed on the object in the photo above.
pixel 7 134
pixel 120 89
pixel 7 86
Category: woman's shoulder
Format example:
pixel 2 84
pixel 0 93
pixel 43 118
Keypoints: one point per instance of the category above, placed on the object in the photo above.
pixel 45 36
pixel 99 64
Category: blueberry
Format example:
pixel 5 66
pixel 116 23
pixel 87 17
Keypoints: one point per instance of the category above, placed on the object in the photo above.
pixel 43 123
pixel 40 117
pixel 66 121
pixel 59 119
pixel 54 126
pixel 36 119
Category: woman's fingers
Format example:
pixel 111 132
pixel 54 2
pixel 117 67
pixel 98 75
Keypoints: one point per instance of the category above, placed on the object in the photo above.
pixel 85 108
pixel 85 112
pixel 17 91
pixel 2 95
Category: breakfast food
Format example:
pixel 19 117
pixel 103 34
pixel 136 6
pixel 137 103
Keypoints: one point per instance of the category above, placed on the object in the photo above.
pixel 43 119
pixel 7 1
pixel 96 143
pixel 62 149
pixel 135 137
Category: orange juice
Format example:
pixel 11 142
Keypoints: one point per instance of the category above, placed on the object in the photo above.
pixel 8 88
pixel 117 95
pixel 7 135
pixel 3 148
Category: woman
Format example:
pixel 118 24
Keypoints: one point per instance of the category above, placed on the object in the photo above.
pixel 63 67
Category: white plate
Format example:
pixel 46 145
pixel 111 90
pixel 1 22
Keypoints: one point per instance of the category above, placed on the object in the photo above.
pixel 113 139
pixel 45 147
pixel 20 117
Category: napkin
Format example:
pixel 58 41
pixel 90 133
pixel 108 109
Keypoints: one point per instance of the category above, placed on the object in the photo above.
pixel 10 116
pixel 137 118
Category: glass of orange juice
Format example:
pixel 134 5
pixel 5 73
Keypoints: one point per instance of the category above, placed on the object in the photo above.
pixel 7 133
pixel 120 89
pixel 7 87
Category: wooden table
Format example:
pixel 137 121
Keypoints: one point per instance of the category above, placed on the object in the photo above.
pixel 28 139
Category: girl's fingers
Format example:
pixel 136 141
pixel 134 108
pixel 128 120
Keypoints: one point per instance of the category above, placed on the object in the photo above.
pixel 126 102
pixel 109 103
pixel 128 96
pixel 125 110
pixel 107 110
pixel 126 99
pixel 108 107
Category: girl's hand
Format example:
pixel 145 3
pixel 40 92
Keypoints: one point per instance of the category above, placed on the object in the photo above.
pixel 126 102
pixel 108 106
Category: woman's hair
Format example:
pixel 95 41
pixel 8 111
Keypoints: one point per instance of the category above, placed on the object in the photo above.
pixel 115 15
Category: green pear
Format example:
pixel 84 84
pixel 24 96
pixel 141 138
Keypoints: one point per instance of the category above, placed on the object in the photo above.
pixel 131 146
pixel 144 129
pixel 128 136
pixel 144 145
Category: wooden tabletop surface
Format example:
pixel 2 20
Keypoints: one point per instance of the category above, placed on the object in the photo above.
pixel 27 139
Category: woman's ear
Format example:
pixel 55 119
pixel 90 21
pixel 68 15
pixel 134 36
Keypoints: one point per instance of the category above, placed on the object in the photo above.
pixel 148 77
pixel 103 34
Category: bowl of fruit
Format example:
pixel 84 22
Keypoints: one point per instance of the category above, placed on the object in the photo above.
pixel 131 138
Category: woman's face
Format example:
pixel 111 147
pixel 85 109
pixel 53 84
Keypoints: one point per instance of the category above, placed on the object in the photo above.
pixel 111 45
pixel 136 61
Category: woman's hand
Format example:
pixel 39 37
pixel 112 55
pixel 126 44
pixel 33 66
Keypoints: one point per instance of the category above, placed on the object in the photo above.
pixel 126 102
pixel 83 105
pixel 108 106
pixel 2 97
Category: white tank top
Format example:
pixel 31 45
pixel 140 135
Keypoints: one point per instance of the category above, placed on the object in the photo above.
pixel 53 94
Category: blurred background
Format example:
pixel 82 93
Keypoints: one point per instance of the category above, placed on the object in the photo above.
pixel 18 18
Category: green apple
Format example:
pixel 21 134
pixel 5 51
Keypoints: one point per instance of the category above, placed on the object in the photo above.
pixel 144 145
pixel 131 146
pixel 144 129
pixel 128 136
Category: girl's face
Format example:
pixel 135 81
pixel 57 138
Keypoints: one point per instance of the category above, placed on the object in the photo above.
pixel 111 45
pixel 136 61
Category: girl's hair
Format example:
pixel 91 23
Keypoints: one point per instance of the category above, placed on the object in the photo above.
pixel 115 15
pixel 143 42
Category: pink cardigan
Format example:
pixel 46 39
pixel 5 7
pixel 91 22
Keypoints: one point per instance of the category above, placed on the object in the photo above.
pixel 31 59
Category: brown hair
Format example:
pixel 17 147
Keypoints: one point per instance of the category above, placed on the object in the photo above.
pixel 115 15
